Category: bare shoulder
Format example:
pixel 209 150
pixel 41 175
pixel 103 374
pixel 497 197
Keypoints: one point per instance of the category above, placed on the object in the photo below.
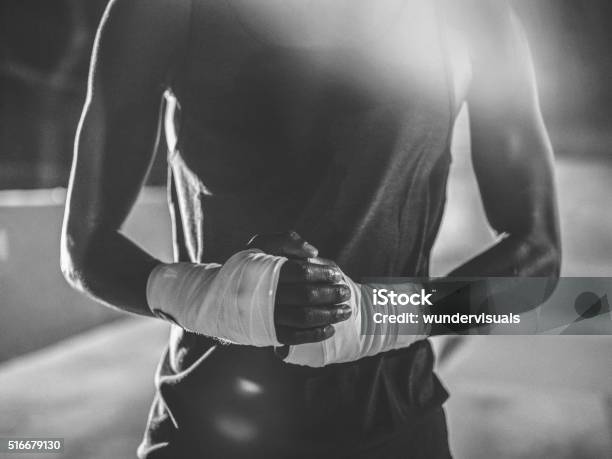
pixel 152 19
pixel 136 46
pixel 160 11
pixel 490 28
pixel 502 73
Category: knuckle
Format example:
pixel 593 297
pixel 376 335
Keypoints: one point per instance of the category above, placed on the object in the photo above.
pixel 307 272
pixel 303 270
pixel 312 294
pixel 330 274
pixel 309 315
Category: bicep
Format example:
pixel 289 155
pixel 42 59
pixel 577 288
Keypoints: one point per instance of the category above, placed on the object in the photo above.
pixel 116 137
pixel 511 152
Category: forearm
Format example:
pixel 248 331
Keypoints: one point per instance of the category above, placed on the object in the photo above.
pixel 233 302
pixel 134 49
pixel 478 284
pixel 535 256
pixel 111 164
pixel 374 326
pixel 110 268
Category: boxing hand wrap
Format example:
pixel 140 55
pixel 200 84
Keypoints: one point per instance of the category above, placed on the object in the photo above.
pixel 361 335
pixel 233 302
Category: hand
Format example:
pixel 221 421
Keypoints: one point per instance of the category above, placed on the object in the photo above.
pixel 311 294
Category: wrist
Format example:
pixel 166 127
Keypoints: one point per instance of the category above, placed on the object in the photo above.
pixel 164 278
pixel 233 302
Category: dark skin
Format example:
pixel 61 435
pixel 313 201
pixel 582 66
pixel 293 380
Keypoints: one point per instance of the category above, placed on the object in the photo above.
pixel 119 131
pixel 310 295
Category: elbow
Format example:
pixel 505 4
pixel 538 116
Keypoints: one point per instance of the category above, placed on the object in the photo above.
pixel 538 251
pixel 545 257
pixel 71 262
pixel 74 263
pixel 551 260
pixel 554 261
pixel 545 261
pixel 548 256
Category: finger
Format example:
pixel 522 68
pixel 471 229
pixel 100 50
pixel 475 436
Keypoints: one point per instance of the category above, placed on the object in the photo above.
pixel 311 316
pixel 301 271
pixel 311 294
pixel 287 244
pixel 293 336
pixel 323 261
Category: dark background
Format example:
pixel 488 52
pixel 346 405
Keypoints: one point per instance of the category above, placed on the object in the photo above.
pixel 45 47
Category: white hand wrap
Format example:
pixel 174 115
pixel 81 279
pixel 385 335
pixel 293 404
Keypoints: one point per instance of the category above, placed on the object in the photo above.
pixel 360 336
pixel 233 302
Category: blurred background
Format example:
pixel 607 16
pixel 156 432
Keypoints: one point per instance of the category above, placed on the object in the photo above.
pixel 72 368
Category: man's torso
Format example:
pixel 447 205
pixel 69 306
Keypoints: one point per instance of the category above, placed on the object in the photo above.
pixel 343 137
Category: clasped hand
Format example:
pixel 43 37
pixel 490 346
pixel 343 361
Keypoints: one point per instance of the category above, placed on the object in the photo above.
pixel 311 294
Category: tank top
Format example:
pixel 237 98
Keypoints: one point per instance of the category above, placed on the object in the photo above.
pixel 347 144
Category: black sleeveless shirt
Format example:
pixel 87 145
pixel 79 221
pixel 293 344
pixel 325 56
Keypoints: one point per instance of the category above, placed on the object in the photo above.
pixel 349 146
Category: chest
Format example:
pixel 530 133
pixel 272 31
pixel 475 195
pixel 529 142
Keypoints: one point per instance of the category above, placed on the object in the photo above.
pixel 260 93
pixel 276 54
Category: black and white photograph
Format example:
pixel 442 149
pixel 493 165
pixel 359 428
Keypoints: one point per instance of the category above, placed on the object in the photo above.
pixel 306 229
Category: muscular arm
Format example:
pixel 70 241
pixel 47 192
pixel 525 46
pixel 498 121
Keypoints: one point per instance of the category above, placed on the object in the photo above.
pixel 135 46
pixel 511 152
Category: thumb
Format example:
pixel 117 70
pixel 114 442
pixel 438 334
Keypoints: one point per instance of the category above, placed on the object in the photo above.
pixel 288 244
